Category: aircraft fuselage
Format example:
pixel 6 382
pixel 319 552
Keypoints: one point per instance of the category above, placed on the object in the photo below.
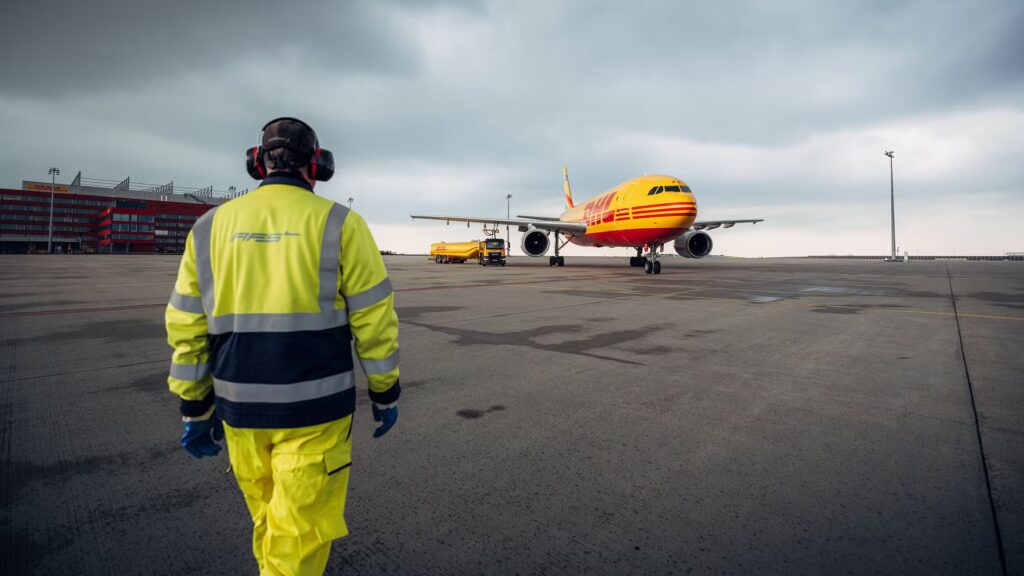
pixel 648 210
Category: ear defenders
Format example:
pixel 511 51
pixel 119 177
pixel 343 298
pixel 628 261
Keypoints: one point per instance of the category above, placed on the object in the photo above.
pixel 321 161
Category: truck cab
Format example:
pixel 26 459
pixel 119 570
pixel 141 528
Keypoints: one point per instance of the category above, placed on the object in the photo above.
pixel 492 251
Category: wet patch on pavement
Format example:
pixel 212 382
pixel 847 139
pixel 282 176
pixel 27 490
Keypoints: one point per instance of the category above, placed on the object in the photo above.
pixel 995 297
pixel 24 474
pixel 526 338
pixel 23 551
pixel 836 309
pixel 471 414
pixel 406 313
pixel 152 383
pixel 128 330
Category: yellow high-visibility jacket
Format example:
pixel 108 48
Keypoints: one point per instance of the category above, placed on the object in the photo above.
pixel 270 292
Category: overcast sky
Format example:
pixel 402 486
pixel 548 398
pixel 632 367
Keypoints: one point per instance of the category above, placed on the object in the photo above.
pixel 777 110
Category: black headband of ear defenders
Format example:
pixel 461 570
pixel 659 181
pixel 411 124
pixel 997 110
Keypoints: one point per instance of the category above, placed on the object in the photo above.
pixel 290 133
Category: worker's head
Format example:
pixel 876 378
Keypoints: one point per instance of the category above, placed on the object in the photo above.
pixel 289 145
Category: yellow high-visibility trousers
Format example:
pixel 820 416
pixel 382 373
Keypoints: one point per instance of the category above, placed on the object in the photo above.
pixel 294 481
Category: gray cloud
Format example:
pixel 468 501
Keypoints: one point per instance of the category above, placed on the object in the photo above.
pixel 176 90
pixel 65 48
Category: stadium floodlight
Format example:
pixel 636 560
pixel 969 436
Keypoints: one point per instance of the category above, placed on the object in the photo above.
pixel 508 215
pixel 350 203
pixel 892 203
pixel 53 172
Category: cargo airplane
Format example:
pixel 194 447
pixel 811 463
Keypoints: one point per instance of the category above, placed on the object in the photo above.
pixel 643 213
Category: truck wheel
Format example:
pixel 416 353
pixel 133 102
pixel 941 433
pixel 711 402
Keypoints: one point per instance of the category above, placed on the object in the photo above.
pixel 502 262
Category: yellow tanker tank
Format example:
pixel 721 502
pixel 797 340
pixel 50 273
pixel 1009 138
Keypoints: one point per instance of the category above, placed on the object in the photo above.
pixel 491 251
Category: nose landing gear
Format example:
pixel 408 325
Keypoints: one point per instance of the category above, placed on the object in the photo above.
pixel 649 261
pixel 637 261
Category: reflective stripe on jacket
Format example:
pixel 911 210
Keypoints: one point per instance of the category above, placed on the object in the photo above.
pixel 271 290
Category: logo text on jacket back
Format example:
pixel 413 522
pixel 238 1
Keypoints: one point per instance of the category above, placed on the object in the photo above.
pixel 262 236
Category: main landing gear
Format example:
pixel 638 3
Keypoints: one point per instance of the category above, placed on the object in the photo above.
pixel 649 261
pixel 557 260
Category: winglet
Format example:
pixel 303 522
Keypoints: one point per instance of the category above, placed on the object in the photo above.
pixel 568 190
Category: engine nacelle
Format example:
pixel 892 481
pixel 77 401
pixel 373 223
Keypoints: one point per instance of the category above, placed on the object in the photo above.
pixel 693 244
pixel 535 242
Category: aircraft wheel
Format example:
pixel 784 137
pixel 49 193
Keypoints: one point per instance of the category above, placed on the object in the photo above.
pixel 502 262
pixel 648 267
pixel 632 261
pixel 561 260
pixel 657 267
pixel 551 260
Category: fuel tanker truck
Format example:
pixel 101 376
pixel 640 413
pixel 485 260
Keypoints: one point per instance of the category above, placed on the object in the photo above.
pixel 490 251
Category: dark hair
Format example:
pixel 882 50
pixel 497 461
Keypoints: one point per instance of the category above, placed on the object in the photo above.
pixel 285 159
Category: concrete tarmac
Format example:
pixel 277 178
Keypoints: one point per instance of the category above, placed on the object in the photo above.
pixel 725 417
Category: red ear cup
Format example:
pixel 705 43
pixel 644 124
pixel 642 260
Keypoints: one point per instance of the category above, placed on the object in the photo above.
pixel 321 165
pixel 254 163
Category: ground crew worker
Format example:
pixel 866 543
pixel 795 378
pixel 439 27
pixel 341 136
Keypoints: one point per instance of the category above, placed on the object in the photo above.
pixel 271 289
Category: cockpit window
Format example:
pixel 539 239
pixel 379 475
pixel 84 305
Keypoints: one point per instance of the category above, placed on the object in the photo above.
pixel 660 189
pixel 683 188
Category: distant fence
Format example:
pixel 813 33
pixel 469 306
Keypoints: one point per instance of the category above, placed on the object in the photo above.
pixel 1008 257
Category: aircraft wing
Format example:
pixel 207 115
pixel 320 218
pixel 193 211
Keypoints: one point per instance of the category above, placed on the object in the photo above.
pixel 712 224
pixel 521 223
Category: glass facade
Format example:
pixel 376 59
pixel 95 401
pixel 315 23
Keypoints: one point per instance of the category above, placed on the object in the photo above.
pixel 94 223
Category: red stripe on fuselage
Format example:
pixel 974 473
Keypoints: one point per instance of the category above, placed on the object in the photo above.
pixel 634 237
pixel 679 203
pixel 662 207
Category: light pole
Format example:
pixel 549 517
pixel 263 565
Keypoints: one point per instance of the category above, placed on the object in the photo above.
pixel 508 215
pixel 892 203
pixel 349 203
pixel 53 172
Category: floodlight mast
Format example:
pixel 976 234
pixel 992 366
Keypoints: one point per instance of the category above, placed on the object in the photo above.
pixel 508 215
pixel 892 203
pixel 53 172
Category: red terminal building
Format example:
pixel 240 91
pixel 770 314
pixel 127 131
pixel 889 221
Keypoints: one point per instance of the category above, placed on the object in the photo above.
pixel 93 218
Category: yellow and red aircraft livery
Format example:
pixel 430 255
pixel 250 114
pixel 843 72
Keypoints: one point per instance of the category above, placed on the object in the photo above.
pixel 643 213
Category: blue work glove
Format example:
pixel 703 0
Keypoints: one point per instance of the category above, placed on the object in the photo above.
pixel 387 418
pixel 201 436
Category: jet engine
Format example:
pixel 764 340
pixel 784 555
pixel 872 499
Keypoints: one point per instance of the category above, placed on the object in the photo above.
pixel 536 242
pixel 693 244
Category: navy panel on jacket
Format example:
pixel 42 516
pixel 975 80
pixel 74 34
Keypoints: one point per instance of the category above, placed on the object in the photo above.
pixel 388 396
pixel 290 415
pixel 281 357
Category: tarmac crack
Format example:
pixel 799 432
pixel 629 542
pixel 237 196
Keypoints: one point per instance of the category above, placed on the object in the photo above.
pixel 977 430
